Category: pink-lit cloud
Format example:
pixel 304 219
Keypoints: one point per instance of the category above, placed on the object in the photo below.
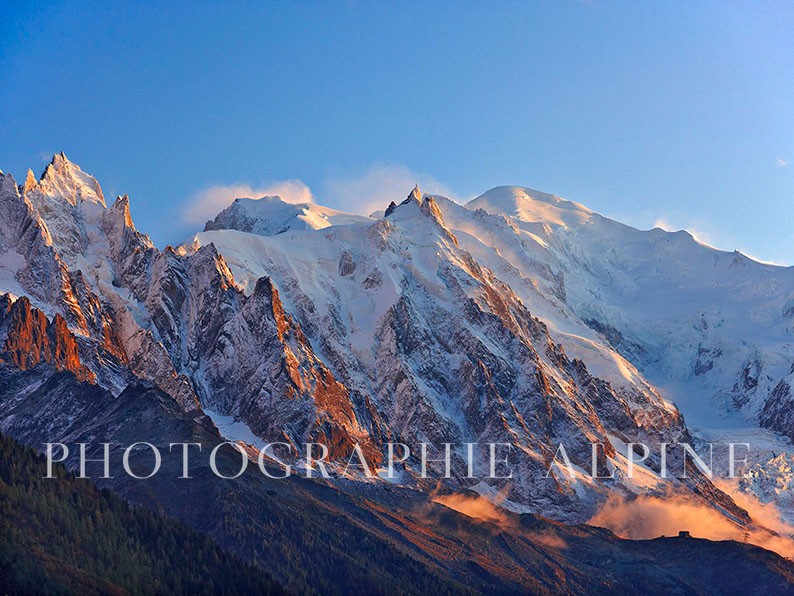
pixel 474 506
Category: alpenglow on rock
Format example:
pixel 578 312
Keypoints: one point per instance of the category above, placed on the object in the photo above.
pixel 501 321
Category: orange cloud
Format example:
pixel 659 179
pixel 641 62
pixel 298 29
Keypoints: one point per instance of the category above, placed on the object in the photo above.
pixel 482 508
pixel 474 506
pixel 646 517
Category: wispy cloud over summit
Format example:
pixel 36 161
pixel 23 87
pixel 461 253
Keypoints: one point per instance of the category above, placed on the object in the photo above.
pixel 380 184
pixel 207 203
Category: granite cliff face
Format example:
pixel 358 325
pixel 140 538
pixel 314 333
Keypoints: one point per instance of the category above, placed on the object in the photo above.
pixel 30 338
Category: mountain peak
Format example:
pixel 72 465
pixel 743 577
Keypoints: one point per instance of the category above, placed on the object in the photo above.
pixel 415 196
pixel 64 179
pixel 30 182
pixel 528 205
pixel 122 207
pixel 59 159
pixel 272 215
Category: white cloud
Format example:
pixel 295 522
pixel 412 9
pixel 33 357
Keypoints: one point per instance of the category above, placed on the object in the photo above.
pixel 781 163
pixel 371 191
pixel 207 203
pixel 379 185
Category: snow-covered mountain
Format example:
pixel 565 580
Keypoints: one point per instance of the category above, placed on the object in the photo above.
pixel 519 318
pixel 645 310
pixel 269 216
pixel 433 347
pixel 718 323
pixel 712 330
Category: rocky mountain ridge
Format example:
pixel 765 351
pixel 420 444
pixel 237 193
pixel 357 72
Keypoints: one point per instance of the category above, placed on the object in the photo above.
pixel 415 327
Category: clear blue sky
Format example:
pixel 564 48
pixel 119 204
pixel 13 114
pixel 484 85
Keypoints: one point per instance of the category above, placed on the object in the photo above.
pixel 644 111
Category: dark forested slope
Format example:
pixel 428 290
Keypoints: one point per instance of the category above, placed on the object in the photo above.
pixel 61 536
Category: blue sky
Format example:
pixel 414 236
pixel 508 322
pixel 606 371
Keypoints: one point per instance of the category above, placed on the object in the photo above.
pixel 680 114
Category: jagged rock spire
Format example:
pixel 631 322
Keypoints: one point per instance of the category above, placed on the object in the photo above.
pixel 390 209
pixel 30 182
pixel 65 180
pixel 416 194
